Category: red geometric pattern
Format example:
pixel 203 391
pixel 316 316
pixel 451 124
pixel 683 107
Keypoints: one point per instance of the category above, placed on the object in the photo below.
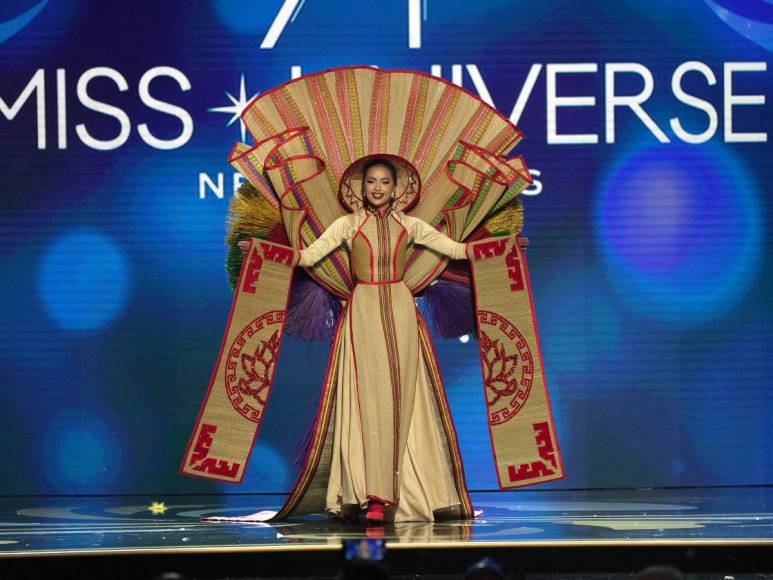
pixel 508 367
pixel 251 364
pixel 545 465
pixel 486 250
pixel 200 460
pixel 514 270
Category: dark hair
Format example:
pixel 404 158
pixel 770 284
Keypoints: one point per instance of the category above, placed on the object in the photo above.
pixel 380 161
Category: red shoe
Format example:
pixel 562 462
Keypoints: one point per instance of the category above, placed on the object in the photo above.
pixel 375 511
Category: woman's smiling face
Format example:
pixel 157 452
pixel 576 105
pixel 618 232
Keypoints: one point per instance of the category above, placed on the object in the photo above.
pixel 378 185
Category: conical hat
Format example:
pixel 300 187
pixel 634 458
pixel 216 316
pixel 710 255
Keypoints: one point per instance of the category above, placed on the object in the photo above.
pixel 407 189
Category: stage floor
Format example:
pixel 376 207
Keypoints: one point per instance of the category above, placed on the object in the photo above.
pixel 39 526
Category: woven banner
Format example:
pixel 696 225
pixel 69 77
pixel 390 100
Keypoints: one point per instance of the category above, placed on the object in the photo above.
pixel 241 382
pixel 521 425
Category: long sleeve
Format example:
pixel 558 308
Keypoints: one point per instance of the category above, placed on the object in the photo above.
pixel 425 235
pixel 335 235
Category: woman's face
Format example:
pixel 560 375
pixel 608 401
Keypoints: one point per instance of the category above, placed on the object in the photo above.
pixel 379 185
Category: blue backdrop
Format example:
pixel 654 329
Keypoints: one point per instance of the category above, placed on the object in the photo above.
pixel 647 126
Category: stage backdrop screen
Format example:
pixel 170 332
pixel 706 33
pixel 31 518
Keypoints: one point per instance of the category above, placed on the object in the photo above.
pixel 647 128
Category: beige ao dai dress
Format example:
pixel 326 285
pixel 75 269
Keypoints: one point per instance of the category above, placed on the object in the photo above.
pixel 389 442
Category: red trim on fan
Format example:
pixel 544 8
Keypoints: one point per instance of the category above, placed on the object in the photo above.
pixel 299 243
pixel 294 133
pixel 299 128
pixel 518 133
pixel 231 157
pixel 486 154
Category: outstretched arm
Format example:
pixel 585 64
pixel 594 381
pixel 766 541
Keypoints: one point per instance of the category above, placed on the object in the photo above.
pixel 425 235
pixel 331 238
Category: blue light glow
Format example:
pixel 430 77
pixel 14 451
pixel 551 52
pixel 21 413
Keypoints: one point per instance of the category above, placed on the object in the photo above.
pixel 246 18
pixel 680 232
pixel 267 470
pixel 80 453
pixel 750 18
pixel 83 280
pixel 580 329
pixel 15 25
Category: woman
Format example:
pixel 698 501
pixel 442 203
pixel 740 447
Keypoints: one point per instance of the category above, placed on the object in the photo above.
pixel 390 456
pixel 383 450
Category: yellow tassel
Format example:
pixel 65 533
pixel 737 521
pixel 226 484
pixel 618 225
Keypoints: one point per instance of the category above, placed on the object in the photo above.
pixel 249 213
pixel 507 221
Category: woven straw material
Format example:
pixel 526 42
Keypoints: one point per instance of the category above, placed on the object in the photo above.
pixel 308 131
pixel 523 435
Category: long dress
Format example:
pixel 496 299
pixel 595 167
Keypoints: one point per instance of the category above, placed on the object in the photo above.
pixel 392 435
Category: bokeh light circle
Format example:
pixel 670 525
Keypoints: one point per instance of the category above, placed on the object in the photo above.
pixel 81 452
pixel 268 470
pixel 83 280
pixel 680 231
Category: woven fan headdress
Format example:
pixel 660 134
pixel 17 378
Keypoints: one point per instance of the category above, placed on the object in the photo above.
pixel 312 133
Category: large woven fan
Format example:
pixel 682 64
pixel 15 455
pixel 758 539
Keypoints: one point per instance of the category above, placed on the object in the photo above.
pixel 308 131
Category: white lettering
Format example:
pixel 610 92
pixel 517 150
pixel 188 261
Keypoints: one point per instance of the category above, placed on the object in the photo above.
pixel 479 84
pixel 37 83
pixel 238 179
pixel 105 109
pixel 456 74
pixel 693 101
pixel 279 23
pixel 523 96
pixel 61 109
pixel 633 102
pixel 164 107
pixel 206 182
pixel 414 23
pixel 554 101
pixel 731 100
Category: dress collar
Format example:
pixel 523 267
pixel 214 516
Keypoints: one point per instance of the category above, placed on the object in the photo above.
pixel 382 214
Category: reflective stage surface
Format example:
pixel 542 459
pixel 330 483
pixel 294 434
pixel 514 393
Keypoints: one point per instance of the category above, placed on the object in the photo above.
pixel 130 524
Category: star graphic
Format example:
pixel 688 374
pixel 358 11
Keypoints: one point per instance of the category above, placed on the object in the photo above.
pixel 236 107
pixel 157 507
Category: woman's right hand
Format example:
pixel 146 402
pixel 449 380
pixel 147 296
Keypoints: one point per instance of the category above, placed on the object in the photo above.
pixel 244 245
